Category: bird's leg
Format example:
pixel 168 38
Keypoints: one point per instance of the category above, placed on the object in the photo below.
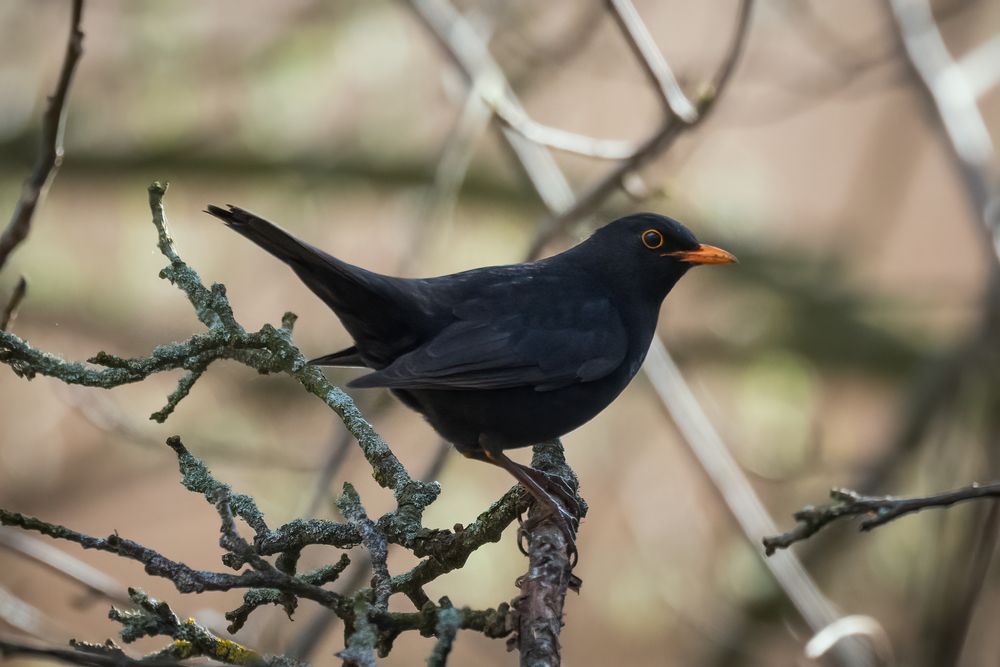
pixel 557 486
pixel 567 521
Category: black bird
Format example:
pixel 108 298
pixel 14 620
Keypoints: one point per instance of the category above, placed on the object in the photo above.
pixel 503 356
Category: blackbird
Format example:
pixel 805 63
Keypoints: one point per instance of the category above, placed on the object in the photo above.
pixel 503 356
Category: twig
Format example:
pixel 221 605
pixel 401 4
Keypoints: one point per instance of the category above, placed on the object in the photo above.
pixel 304 644
pixel 879 511
pixel 24 617
pixel 59 561
pixel 741 500
pixel 51 150
pixel 592 197
pixel 488 82
pixel 84 655
pixel 10 310
pixel 153 618
pixel 449 621
pixel 675 100
pixel 948 88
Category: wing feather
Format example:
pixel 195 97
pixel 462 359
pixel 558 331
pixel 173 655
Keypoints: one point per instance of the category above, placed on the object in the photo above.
pixel 491 346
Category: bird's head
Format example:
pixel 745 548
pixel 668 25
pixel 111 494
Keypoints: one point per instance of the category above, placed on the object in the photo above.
pixel 650 251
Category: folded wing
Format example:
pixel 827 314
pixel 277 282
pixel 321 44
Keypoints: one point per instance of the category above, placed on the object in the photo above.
pixel 547 349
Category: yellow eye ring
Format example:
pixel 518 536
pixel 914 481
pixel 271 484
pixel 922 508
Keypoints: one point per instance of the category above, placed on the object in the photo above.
pixel 652 239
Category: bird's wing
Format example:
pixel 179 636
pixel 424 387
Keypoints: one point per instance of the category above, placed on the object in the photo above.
pixel 494 347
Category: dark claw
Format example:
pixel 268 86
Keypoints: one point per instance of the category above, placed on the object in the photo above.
pixel 567 524
pixel 561 489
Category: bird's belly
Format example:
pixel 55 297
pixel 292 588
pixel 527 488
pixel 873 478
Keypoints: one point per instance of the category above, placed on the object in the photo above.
pixel 514 417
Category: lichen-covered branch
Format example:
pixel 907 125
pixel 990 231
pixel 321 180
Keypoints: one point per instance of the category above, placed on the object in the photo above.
pixel 154 618
pixel 266 565
pixel 877 510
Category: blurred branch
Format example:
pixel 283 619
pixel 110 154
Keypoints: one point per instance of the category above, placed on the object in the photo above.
pixel 592 197
pixel 10 310
pixel 86 655
pixel 59 561
pixel 464 45
pixel 24 617
pixel 948 87
pixel 675 100
pixel 880 510
pixel 741 500
pixel 51 150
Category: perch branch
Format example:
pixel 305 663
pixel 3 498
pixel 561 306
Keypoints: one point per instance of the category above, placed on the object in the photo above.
pixel 878 510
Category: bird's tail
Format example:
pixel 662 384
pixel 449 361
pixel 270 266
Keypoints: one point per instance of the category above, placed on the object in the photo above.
pixel 337 283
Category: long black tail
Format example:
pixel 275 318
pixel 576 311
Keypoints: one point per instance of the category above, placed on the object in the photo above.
pixel 371 306
pixel 337 283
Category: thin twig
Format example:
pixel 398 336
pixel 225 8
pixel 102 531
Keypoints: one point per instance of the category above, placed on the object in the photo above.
pixel 70 567
pixel 594 195
pixel 675 100
pixel 51 151
pixel 10 310
pixel 13 648
pixel 954 95
pixel 878 510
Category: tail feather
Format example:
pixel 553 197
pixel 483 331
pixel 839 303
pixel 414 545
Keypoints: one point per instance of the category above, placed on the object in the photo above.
pixel 331 279
pixel 350 357
pixel 371 306
pixel 271 237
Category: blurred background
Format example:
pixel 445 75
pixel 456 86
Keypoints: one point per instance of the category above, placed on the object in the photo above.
pixel 835 354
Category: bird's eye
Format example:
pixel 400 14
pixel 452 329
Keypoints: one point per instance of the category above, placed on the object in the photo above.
pixel 652 239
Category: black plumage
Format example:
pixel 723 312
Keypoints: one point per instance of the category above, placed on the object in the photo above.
pixel 504 356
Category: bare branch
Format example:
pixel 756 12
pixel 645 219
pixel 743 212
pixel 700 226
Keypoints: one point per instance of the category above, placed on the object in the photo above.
pixel 10 310
pixel 59 561
pixel 879 511
pixel 51 150
pixel 949 88
pixel 86 655
pixel 591 198
pixel 744 504
pixel 675 100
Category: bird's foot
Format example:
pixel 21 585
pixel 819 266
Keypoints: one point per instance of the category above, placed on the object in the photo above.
pixel 561 489
pixel 565 521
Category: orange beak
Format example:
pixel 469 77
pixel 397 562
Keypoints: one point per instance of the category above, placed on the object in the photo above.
pixel 703 254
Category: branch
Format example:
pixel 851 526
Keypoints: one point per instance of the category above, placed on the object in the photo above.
pixel 468 50
pixel 675 100
pixel 93 580
pixel 10 310
pixel 86 655
pixel 153 618
pixel 587 201
pixel 948 87
pixel 879 511
pixel 51 150
pixel 539 609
